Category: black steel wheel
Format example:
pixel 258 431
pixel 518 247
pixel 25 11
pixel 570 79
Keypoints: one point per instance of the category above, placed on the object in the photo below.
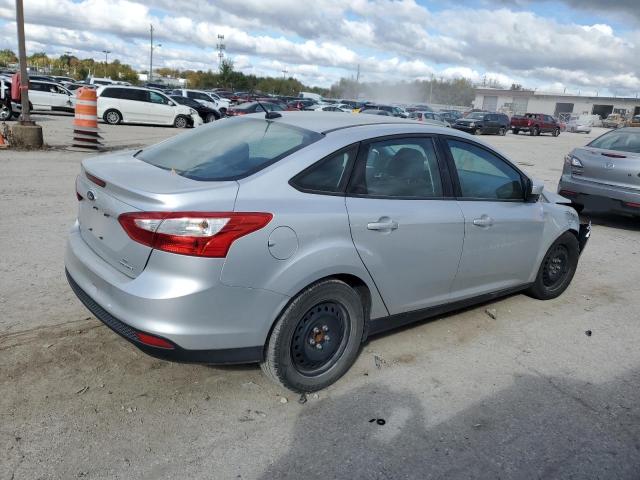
pixel 320 338
pixel 317 337
pixel 557 268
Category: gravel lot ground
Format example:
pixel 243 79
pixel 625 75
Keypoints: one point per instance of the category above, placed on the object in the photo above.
pixel 525 395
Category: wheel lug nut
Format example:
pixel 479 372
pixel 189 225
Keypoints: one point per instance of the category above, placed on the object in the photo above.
pixel 312 341
pixel 325 328
pixel 327 338
pixel 318 346
pixel 316 330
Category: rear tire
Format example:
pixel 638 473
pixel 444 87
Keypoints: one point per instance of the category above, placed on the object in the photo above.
pixel 317 337
pixel 181 122
pixel 557 268
pixel 502 131
pixel 112 117
pixel 516 131
pixel 556 132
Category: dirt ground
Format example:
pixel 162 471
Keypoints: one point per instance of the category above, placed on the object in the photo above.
pixel 525 395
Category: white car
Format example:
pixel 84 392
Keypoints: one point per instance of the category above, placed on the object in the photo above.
pixel 579 125
pixel 208 99
pixel 122 104
pixel 50 96
pixel 330 108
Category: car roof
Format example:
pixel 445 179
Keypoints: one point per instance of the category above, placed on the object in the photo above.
pixel 323 122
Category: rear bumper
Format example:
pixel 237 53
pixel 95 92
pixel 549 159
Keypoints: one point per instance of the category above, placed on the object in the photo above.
pixel 176 354
pixel 178 298
pixel 604 198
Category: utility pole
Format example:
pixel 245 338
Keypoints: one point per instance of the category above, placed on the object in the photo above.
pixel 26 133
pixel 25 118
pixel 150 77
pixel 106 60
pixel 221 48
pixel 431 89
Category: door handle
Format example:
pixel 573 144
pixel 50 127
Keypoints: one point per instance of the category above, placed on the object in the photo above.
pixel 483 221
pixel 383 225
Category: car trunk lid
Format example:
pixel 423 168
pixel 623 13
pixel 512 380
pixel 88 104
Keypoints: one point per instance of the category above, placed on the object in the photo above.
pixel 115 184
pixel 608 167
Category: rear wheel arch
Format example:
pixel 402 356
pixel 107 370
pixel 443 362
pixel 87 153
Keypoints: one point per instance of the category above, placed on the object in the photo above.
pixel 353 281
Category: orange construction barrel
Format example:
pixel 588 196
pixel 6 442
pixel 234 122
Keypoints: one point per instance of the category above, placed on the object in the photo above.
pixel 85 122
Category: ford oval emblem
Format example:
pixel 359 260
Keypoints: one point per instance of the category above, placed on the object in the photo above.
pixel 91 196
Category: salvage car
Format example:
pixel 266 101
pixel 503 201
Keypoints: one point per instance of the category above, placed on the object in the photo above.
pixel 605 174
pixel 287 239
pixel 578 125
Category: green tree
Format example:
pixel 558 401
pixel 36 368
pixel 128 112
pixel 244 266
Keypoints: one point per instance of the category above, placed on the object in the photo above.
pixel 7 57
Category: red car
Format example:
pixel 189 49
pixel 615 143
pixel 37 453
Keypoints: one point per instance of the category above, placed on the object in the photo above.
pixel 535 124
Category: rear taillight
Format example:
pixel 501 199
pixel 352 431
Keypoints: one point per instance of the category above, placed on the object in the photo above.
pixel 568 193
pixel 632 204
pixel 96 180
pixel 200 234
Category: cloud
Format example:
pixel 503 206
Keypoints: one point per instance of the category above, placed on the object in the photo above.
pixel 322 40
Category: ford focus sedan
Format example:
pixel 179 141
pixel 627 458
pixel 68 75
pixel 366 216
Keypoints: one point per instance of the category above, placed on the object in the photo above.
pixel 288 239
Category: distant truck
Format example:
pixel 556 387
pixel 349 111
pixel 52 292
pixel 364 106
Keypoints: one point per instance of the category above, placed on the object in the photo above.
pixel 535 124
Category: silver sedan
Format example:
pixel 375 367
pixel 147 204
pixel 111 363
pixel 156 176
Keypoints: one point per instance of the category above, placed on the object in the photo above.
pixel 605 174
pixel 288 238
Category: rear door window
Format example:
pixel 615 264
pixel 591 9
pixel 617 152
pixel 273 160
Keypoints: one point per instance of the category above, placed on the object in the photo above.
pixel 228 150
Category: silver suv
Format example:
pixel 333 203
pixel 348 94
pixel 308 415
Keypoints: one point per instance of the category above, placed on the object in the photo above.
pixel 287 240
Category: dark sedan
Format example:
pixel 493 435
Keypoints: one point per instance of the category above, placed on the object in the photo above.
pixel 253 107
pixel 207 114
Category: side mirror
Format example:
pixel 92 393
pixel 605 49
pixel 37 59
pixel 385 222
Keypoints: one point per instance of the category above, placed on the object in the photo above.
pixel 534 190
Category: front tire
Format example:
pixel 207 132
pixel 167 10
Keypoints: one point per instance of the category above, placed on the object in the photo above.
pixel 5 113
pixel 556 132
pixel 502 131
pixel 516 131
pixel 211 117
pixel 557 268
pixel 317 337
pixel 181 122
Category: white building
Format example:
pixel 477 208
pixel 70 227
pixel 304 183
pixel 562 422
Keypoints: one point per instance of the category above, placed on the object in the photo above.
pixel 517 102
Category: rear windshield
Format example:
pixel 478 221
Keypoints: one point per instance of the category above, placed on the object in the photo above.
pixel 228 149
pixel 621 140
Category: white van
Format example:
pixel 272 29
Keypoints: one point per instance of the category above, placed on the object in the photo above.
pixel 120 104
pixel 208 99
pixel 50 96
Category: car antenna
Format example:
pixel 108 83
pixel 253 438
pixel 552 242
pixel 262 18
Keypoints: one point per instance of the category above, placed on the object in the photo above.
pixel 269 115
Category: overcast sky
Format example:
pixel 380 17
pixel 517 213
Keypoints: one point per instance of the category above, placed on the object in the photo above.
pixel 585 45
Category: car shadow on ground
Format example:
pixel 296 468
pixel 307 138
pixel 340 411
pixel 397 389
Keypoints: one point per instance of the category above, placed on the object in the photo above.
pixel 612 220
pixel 539 427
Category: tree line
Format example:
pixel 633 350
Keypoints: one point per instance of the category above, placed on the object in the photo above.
pixel 459 91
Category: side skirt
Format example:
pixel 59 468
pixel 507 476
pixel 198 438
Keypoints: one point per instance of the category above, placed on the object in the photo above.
pixel 383 324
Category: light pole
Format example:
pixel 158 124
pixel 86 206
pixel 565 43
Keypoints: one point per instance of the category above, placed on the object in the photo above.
pixel 284 73
pixel 221 47
pixel 25 133
pixel 151 56
pixel 106 60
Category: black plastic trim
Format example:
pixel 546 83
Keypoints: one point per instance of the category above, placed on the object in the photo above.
pixel 178 354
pixel 383 324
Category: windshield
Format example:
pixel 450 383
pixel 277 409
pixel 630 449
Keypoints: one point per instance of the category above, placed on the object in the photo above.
pixel 476 116
pixel 228 150
pixel 620 140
